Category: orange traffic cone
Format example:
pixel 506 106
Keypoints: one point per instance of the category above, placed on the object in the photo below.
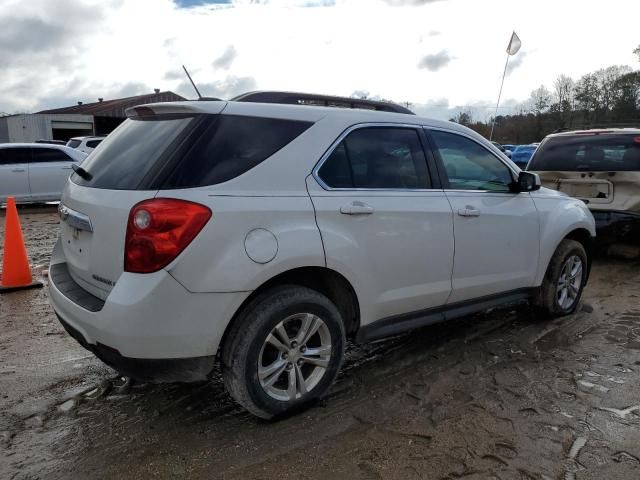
pixel 16 273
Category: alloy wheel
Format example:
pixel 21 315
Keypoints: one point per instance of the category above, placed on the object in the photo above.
pixel 569 282
pixel 294 357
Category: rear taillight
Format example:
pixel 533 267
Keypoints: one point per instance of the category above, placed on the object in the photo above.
pixel 158 230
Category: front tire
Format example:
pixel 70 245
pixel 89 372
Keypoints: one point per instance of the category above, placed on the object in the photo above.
pixel 283 351
pixel 564 280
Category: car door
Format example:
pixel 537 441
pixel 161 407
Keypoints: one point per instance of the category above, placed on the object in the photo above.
pixel 383 224
pixel 14 176
pixel 49 170
pixel 496 230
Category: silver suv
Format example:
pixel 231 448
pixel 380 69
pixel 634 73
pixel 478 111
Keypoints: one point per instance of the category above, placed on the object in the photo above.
pixel 262 236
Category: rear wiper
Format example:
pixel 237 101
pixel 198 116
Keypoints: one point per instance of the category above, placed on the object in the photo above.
pixel 82 172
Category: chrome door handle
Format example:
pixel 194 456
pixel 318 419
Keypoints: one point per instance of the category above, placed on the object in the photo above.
pixel 468 212
pixel 356 208
pixel 17 170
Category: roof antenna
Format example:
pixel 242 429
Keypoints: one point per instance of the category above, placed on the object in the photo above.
pixel 192 82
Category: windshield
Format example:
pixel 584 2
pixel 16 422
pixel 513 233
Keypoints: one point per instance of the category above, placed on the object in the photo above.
pixel 591 152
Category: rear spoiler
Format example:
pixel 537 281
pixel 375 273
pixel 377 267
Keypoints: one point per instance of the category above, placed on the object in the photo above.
pixel 174 109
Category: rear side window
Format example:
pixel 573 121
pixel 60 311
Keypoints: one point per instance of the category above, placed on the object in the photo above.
pixel 45 155
pixel 93 143
pixel 601 152
pixel 73 143
pixel 229 146
pixel 10 156
pixel 377 158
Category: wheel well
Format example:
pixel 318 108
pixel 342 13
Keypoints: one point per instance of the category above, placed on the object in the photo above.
pixel 324 280
pixel 584 237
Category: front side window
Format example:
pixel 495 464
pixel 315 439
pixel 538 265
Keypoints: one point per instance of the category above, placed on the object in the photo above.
pixel 377 158
pixel 11 156
pixel 45 155
pixel 93 143
pixel 470 166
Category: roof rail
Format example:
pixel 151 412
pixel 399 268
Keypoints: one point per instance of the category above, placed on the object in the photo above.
pixel 589 126
pixel 294 98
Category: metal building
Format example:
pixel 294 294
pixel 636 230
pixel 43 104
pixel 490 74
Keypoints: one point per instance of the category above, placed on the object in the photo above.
pixel 97 118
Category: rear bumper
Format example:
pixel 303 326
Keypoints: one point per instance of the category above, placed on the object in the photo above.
pixel 147 369
pixel 148 323
pixel 614 226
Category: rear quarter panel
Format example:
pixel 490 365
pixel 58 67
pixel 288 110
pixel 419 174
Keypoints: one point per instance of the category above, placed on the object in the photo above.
pixel 217 259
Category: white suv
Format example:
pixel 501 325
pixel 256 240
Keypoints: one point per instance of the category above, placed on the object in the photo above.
pixel 263 236
pixel 85 144
pixel 36 172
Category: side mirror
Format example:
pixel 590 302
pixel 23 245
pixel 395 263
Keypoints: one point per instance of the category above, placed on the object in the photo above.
pixel 527 182
pixel 508 153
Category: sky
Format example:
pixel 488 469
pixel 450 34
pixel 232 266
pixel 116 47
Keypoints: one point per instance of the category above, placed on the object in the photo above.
pixel 442 56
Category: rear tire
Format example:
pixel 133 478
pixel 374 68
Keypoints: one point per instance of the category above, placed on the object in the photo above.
pixel 283 351
pixel 564 280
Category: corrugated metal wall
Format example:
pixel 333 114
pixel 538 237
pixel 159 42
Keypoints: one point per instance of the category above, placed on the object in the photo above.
pixel 32 127
pixel 4 129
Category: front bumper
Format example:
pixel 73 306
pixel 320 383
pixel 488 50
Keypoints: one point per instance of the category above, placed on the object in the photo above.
pixel 614 226
pixel 149 327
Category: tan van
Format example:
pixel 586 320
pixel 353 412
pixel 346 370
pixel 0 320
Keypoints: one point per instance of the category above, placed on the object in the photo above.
pixel 600 167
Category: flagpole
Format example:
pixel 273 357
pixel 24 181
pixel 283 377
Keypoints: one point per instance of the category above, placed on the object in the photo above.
pixel 504 74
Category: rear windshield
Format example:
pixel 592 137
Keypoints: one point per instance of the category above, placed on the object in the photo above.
pixel 73 143
pixel 194 151
pixel 600 152
pixel 130 153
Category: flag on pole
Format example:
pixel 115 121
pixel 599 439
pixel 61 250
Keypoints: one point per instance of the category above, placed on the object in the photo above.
pixel 514 44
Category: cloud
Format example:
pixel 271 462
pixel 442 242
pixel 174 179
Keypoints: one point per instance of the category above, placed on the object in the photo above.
pixel 438 108
pixel 43 51
pixel 176 74
pixel 360 94
pixel 233 3
pixel 39 31
pixel 20 36
pixel 199 3
pixel 409 3
pixel 225 60
pixel 287 3
pixel 515 62
pixel 129 89
pixel 436 61
pixel 224 89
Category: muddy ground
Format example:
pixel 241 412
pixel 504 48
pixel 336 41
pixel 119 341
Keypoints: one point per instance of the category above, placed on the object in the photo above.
pixel 502 395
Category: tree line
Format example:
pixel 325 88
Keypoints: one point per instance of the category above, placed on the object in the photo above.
pixel 606 97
